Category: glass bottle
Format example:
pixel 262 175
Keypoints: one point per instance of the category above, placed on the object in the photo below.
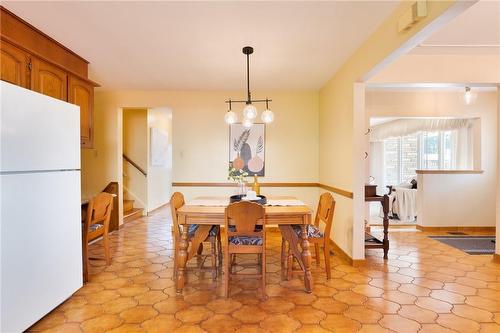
pixel 256 185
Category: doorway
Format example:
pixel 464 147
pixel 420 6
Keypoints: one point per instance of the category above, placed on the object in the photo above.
pixel 146 160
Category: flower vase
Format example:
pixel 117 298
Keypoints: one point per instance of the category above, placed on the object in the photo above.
pixel 242 189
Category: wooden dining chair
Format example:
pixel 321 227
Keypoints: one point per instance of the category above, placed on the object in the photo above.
pixel 325 211
pixel 242 221
pixel 95 225
pixel 214 238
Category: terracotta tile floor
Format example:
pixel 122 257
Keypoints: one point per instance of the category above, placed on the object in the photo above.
pixel 425 287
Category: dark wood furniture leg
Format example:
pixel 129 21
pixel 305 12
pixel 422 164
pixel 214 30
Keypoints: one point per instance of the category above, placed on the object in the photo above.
pixel 385 208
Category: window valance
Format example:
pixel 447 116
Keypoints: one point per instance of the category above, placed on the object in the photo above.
pixel 404 127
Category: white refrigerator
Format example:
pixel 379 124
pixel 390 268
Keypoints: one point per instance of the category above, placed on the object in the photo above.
pixel 40 223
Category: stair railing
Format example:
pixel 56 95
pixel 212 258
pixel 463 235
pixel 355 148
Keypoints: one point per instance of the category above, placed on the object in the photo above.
pixel 135 165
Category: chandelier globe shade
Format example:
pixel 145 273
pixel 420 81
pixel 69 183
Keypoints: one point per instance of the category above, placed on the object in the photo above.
pixel 250 111
pixel 267 116
pixel 231 117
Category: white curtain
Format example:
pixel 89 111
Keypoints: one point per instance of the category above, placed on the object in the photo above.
pixel 463 151
pixel 462 131
pixel 403 127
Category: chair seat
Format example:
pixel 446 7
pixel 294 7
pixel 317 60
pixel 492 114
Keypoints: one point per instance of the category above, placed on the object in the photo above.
pixel 94 227
pixel 312 231
pixel 193 227
pixel 245 240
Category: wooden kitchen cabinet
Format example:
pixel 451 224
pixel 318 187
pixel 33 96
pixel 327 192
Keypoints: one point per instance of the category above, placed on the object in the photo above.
pixel 49 80
pixel 31 59
pixel 81 93
pixel 15 65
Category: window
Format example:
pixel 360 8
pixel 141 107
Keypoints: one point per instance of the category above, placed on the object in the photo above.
pixel 425 150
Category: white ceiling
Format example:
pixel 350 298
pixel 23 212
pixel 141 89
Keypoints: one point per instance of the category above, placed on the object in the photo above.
pixel 476 31
pixel 197 45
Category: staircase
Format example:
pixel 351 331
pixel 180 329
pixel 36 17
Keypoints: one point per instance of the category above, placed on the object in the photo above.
pixel 129 212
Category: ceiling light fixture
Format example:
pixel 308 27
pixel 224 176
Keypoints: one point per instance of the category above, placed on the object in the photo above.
pixel 469 96
pixel 249 111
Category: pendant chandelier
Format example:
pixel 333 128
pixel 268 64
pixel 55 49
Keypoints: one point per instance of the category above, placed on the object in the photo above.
pixel 249 111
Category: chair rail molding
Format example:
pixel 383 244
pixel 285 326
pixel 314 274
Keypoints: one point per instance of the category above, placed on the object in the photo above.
pixel 339 191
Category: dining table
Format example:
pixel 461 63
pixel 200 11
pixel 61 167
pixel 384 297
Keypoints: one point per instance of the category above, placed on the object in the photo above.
pixel 207 211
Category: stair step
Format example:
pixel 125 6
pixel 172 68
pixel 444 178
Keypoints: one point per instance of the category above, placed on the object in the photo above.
pixel 128 205
pixel 132 214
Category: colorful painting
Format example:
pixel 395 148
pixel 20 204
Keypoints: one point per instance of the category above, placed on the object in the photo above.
pixel 247 148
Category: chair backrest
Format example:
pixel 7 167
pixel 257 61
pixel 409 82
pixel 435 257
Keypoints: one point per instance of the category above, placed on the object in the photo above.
pixel 326 209
pixel 176 202
pixel 244 216
pixel 99 211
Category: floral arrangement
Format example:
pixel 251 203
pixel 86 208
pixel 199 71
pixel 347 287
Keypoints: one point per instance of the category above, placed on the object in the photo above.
pixel 236 175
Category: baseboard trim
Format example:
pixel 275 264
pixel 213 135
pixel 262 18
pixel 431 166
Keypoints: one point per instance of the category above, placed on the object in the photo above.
pixel 463 229
pixel 344 256
pixel 158 208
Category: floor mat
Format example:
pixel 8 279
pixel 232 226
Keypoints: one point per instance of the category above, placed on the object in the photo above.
pixel 469 244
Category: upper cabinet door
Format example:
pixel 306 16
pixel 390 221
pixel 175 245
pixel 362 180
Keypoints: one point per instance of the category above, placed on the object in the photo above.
pixel 49 80
pixel 81 93
pixel 15 64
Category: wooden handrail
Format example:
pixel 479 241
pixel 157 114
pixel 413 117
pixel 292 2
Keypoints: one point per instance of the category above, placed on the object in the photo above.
pixel 135 165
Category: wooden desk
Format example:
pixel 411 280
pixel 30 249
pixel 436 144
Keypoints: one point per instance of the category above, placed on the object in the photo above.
pixel 206 216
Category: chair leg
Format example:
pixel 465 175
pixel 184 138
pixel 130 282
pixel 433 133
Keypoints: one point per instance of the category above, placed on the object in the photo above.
pixel 263 272
pixel 85 263
pixel 107 254
pixel 226 274
pixel 174 275
pixel 326 250
pixel 316 249
pixel 219 249
pixel 213 256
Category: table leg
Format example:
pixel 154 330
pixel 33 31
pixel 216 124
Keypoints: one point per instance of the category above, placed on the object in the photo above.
pixel 199 236
pixel 182 255
pixel 306 258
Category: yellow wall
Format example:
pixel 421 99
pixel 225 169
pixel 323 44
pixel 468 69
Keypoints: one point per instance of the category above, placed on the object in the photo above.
pixel 200 138
pixel 341 158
